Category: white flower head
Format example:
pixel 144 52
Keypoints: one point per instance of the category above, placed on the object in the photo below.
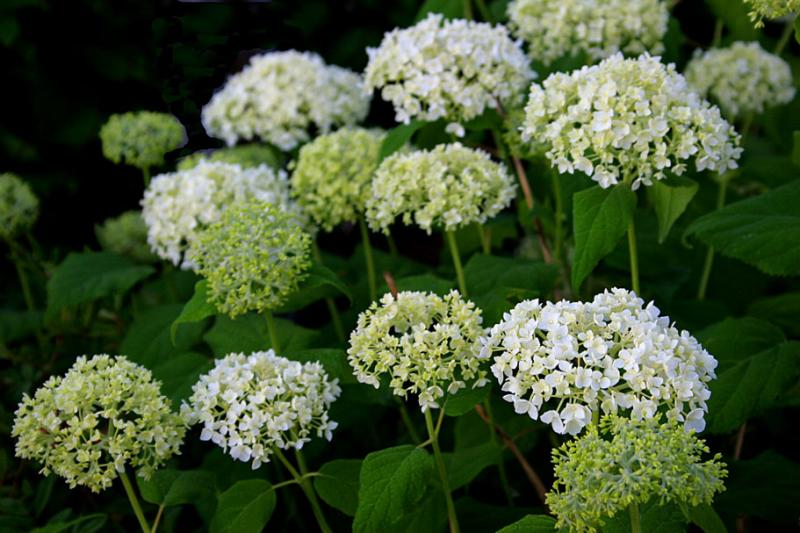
pixel 627 120
pixel 250 404
pixel 448 69
pixel 566 362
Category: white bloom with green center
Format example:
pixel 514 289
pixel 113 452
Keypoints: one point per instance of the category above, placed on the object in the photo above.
pixel 142 138
pixel 742 78
pixel 104 414
pixel 771 9
pixel 558 28
pixel 179 206
pixel 629 120
pixel 624 462
pixel 424 343
pixel 332 177
pixel 448 187
pixel 126 235
pixel 284 97
pixel 563 363
pixel 19 206
pixel 254 257
pixel 250 404
pixel 448 69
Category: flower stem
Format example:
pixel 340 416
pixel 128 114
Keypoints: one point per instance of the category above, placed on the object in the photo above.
pixel 392 245
pixel 451 241
pixel 486 15
pixel 273 332
pixel 157 521
pixel 634 256
pixel 636 525
pixel 468 10
pixel 146 176
pixel 302 479
pixel 412 432
pixel 501 468
pixel 784 39
pixel 373 284
pixel 334 312
pixel 709 262
pixel 559 219
pixel 437 454
pixel 16 257
pixel 137 509
pixel 486 239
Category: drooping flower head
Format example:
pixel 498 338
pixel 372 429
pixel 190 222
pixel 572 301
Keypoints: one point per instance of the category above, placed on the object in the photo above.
pixel 126 235
pixel 19 206
pixel 565 362
pixel 771 9
pixel 104 414
pixel 558 28
pixel 332 177
pixel 622 462
pixel 179 206
pixel 254 257
pixel 630 120
pixel 743 78
pixel 244 155
pixel 424 343
pixel 448 69
pixel 250 404
pixel 141 138
pixel 280 96
pixel 450 187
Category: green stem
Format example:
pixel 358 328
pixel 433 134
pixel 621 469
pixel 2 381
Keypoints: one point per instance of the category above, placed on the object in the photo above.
pixel 718 27
pixel 308 488
pixel 437 454
pixel 634 257
pixel 633 510
pixel 137 509
pixel 501 468
pixel 468 10
pixel 334 312
pixel 273 332
pixel 709 261
pixel 392 245
pixel 484 11
pixel 787 33
pixel 412 431
pixel 157 521
pixel 559 218
pixel 373 284
pixel 486 240
pixel 23 278
pixel 451 241
pixel 146 176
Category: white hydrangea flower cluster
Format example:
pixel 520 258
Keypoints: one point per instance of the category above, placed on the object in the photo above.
pixel 450 186
pixel 771 9
pixel 742 78
pixel 557 28
pixel 564 362
pixel 629 120
pixel 424 342
pixel 103 414
pixel 279 96
pixel 179 206
pixel 450 69
pixel 250 404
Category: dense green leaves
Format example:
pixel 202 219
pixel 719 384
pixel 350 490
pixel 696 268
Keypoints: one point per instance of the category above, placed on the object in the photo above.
pixel 248 333
pixel 531 524
pixel 337 484
pixel 179 372
pixel 397 137
pixel 320 283
pixel 464 465
pixel 148 340
pixel 244 508
pixel 169 487
pixel 465 400
pixel 707 519
pixel 196 309
pixel 670 199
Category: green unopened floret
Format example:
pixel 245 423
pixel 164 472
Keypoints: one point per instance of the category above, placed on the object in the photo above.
pixel 141 139
pixel 19 206
pixel 126 235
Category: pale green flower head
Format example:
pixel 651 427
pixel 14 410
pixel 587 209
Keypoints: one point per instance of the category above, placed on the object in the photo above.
pixel 625 461
pixel 331 179
pixel 742 78
pixel 254 257
pixel 627 120
pixel 126 235
pixel 19 206
pixel 245 155
pixel 251 404
pixel 104 414
pixel 424 343
pixel 558 28
pixel 770 9
pixel 449 187
pixel 141 138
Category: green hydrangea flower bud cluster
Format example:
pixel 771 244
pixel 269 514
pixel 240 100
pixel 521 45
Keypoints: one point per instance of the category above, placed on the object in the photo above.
pixel 245 155
pixel 742 78
pixel 623 462
pixel 771 9
pixel 141 138
pixel 424 342
pixel 104 414
pixel 254 257
pixel 332 177
pixel 557 28
pixel 126 235
pixel 19 206
pixel 450 187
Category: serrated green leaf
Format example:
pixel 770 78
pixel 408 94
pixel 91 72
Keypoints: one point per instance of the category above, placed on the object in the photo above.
pixel 600 219
pixel 179 372
pixel 337 484
pixel 176 487
pixel 334 361
pixel 391 483
pixel 734 338
pixel 782 310
pixel 531 524
pixel 148 342
pixel 321 283
pixel 763 231
pixel 196 309
pixel 706 518
pixel 465 400
pixel 248 333
pixel 244 508
pixel 670 199
pixel 465 464
pixel 397 137
pixel 88 276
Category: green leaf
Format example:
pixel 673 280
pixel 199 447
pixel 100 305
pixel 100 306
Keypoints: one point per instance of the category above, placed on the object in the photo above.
pixel 391 483
pixel 736 19
pixel 531 524
pixel 337 484
pixel 177 487
pixel 600 218
pixel 196 309
pixel 465 400
pixel 244 508
pixel 430 514
pixel 670 199
pixel 248 333
pixel 320 283
pixel 797 29
pixel 425 283
pixel 88 276
pixel 796 146
pixel 397 137
pixel 763 231
pixel 57 527
pixel 706 518
pixel 464 465
pixel 178 373
pixel 333 360
pixel 148 342
pixel 734 338
pixel 654 518
pixel 18 324
pixel 781 310
pixel 451 9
